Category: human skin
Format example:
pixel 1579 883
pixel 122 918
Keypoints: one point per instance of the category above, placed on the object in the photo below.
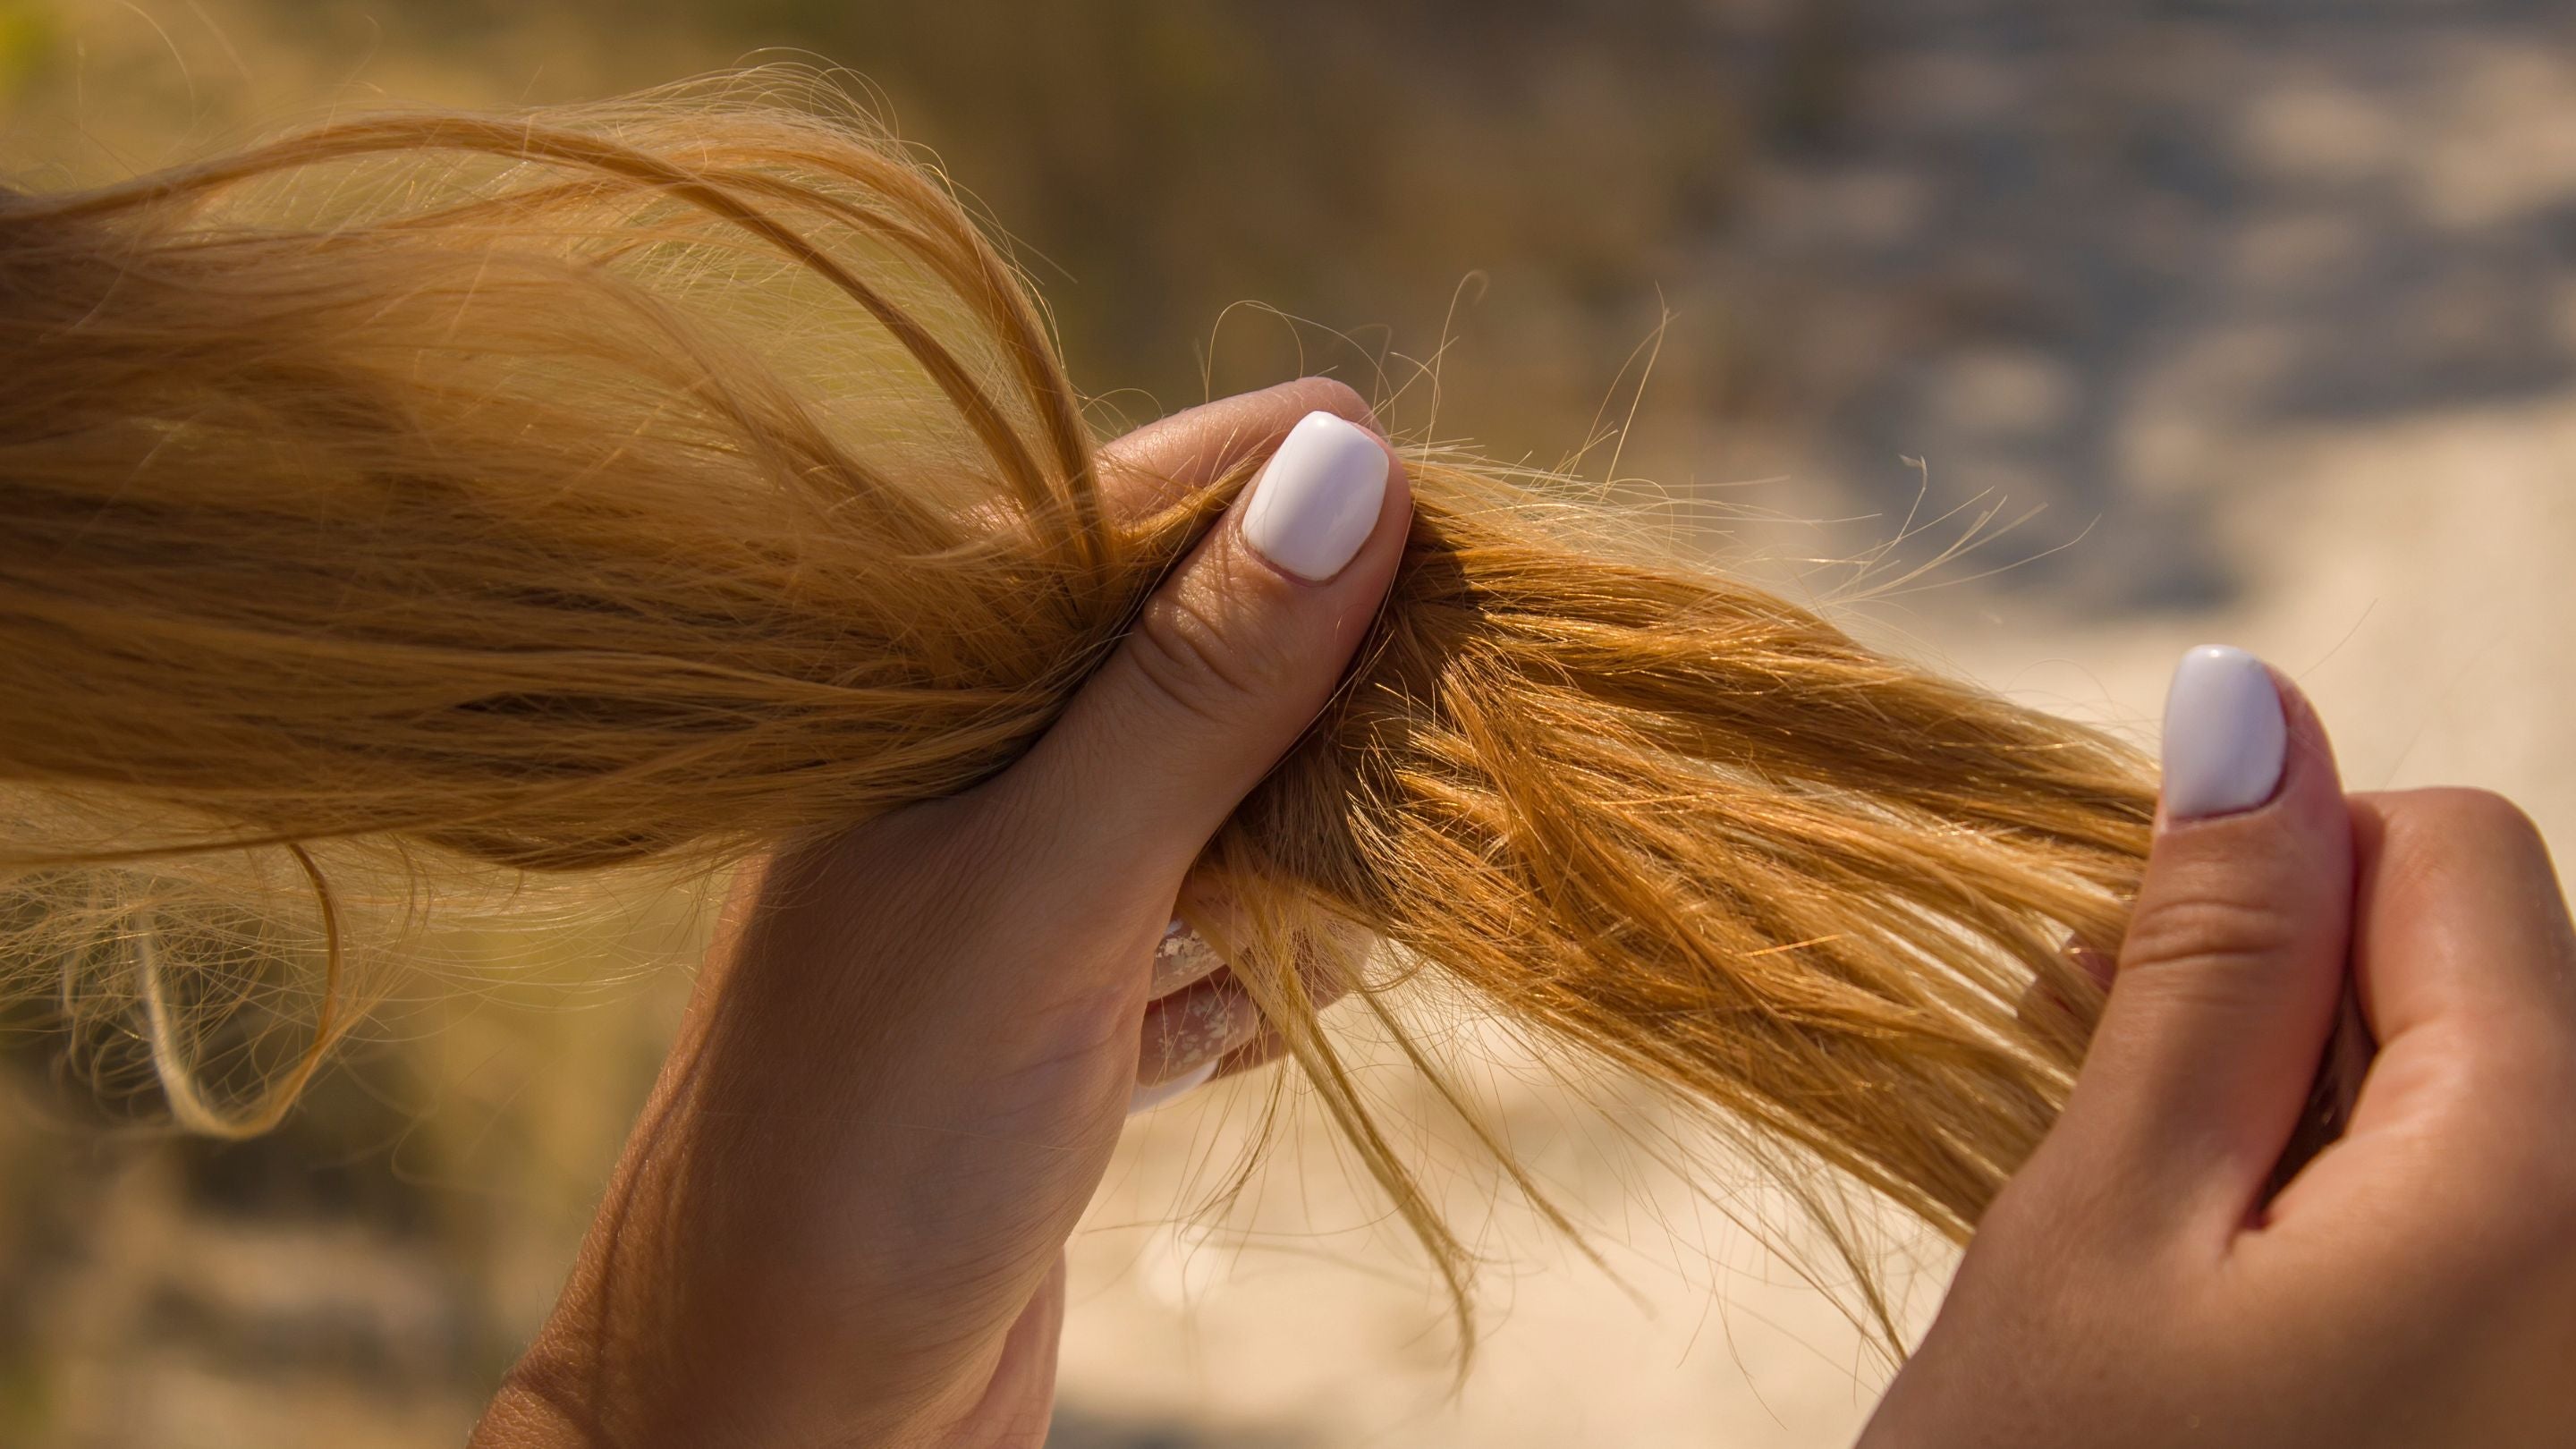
pixel 2415 1283
pixel 841 1218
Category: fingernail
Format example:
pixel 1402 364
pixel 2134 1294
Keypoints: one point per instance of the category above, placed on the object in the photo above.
pixel 1317 500
pixel 1181 957
pixel 2225 737
pixel 1146 1099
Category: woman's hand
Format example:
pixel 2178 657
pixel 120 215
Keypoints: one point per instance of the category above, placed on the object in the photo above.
pixel 2415 1284
pixel 842 1217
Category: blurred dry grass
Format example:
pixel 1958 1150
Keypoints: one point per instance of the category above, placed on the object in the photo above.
pixel 2274 306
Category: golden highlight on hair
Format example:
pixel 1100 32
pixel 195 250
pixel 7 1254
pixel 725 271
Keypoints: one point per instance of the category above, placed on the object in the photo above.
pixel 420 508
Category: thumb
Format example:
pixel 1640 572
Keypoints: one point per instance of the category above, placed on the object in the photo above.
pixel 1228 663
pixel 2235 959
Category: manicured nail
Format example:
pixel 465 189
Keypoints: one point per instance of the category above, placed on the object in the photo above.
pixel 2225 737
pixel 1181 957
pixel 1146 1099
pixel 1317 501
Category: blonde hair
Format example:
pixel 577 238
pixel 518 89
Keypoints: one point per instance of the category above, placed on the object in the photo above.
pixel 418 506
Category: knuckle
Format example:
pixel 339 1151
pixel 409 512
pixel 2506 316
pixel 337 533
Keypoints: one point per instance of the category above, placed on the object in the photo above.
pixel 2440 841
pixel 2478 814
pixel 2208 935
pixel 1332 395
pixel 1186 657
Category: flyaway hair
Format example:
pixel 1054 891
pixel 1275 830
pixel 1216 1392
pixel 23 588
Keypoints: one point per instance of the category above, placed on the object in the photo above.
pixel 424 507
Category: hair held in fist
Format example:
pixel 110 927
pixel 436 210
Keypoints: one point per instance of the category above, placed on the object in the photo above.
pixel 420 511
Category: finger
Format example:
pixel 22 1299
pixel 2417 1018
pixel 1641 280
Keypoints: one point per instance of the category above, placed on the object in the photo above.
pixel 2064 1006
pixel 1162 462
pixel 2465 964
pixel 1182 957
pixel 1328 951
pixel 2226 987
pixel 1186 953
pixel 2460 917
pixel 1268 1045
pixel 1187 1033
pixel 1227 665
pixel 1204 1025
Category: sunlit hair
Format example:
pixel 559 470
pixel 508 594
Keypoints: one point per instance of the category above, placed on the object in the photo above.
pixel 425 507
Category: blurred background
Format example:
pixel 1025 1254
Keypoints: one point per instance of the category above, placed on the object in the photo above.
pixel 2255 322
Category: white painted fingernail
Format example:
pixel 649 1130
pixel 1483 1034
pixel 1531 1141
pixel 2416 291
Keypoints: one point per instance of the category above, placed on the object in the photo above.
pixel 1317 500
pixel 2225 737
pixel 1146 1099
pixel 1181 957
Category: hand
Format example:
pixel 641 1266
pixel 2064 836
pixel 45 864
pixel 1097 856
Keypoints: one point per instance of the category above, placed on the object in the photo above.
pixel 842 1217
pixel 2414 1284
